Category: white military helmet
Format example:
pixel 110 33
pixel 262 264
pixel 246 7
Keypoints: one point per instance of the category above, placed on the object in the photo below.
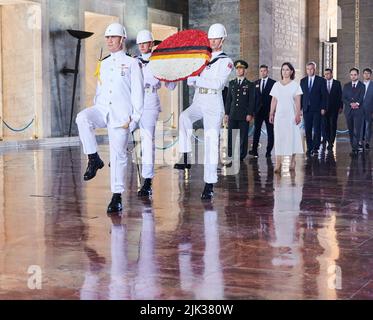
pixel 216 31
pixel 144 36
pixel 116 30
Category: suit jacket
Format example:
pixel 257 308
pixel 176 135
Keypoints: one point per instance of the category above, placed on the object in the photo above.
pixel 240 101
pixel 334 98
pixel 263 99
pixel 316 100
pixel 349 95
pixel 368 99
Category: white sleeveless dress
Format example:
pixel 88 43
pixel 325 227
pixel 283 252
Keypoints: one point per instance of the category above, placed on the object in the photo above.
pixel 288 137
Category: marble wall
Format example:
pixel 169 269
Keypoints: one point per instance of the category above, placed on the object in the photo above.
pixel 354 38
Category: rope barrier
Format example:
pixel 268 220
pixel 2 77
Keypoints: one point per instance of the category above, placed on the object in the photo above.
pixel 19 130
pixel 169 146
pixel 169 119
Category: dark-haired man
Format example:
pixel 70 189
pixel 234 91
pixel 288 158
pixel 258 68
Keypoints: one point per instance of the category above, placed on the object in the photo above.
pixel 368 108
pixel 353 97
pixel 263 100
pixel 335 106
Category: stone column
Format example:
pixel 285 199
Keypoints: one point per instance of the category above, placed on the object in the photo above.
pixel 348 37
pixel 249 35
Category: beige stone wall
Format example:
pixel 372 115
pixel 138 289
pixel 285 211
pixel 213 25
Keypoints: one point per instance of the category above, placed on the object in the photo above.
pixel 21 68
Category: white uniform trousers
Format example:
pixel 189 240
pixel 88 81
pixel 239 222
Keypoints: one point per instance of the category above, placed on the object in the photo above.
pixel 90 119
pixel 148 123
pixel 210 108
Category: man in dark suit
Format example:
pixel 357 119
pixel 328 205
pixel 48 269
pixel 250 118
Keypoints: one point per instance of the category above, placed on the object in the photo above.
pixel 263 101
pixel 353 97
pixel 368 108
pixel 239 107
pixel 314 105
pixel 335 107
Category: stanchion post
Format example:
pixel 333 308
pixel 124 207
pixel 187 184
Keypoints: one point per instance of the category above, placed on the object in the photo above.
pixel 35 134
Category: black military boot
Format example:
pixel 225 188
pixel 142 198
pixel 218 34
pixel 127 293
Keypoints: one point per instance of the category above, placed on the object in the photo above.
pixel 146 190
pixel 115 205
pixel 94 164
pixel 208 192
pixel 183 166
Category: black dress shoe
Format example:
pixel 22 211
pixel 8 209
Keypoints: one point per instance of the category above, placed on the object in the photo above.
pixel 93 166
pixel 146 190
pixel 115 204
pixel 254 154
pixel 208 192
pixel 268 155
pixel 330 147
pixel 181 166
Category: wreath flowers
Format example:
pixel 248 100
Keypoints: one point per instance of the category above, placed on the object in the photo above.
pixel 180 56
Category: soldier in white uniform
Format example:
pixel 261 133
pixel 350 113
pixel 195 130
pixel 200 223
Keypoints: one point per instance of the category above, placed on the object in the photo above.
pixel 118 106
pixel 207 105
pixel 152 108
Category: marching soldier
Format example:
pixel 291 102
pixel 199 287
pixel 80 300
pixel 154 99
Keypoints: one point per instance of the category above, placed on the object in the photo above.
pixel 118 105
pixel 207 105
pixel 239 107
pixel 152 108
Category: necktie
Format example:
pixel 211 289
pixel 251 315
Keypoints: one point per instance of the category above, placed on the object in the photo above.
pixel 310 85
pixel 263 85
pixel 239 82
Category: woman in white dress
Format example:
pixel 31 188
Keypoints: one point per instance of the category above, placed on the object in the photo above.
pixel 286 116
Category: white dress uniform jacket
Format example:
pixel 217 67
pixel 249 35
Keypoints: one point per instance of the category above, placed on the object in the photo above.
pixel 120 89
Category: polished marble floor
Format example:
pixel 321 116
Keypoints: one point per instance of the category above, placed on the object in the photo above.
pixel 307 235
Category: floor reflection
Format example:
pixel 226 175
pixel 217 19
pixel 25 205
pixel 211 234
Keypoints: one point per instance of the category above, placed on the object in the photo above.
pixel 307 235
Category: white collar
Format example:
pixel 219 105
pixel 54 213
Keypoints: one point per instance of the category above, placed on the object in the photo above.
pixel 265 79
pixel 356 82
pixel 313 77
pixel 117 54
pixel 240 78
pixel 367 82
pixel 146 56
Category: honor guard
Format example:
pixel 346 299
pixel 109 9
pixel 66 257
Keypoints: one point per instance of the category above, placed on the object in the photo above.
pixel 207 105
pixel 239 107
pixel 152 108
pixel 118 105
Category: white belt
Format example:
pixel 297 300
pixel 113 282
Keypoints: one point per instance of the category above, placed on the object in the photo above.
pixel 207 91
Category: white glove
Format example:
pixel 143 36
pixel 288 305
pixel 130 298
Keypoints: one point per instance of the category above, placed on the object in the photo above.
pixel 133 126
pixel 151 82
pixel 192 81
pixel 170 85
